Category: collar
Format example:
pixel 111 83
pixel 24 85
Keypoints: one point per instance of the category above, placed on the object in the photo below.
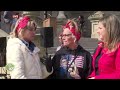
pixel 25 42
pixel 79 48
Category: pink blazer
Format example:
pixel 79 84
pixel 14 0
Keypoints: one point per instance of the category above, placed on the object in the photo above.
pixel 108 65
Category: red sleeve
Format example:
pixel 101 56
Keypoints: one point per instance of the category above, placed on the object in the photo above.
pixel 116 74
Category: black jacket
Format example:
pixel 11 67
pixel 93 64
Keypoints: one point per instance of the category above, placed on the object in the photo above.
pixel 60 67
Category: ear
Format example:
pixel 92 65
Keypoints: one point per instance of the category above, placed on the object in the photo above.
pixel 75 39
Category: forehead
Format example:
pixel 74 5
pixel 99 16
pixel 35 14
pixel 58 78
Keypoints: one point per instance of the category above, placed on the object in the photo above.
pixel 100 24
pixel 66 31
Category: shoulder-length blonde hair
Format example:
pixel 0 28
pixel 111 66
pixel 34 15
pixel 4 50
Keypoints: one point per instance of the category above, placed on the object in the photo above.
pixel 112 26
pixel 30 25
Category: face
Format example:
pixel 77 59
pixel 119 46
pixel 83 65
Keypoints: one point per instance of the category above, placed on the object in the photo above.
pixel 101 32
pixel 64 63
pixel 67 37
pixel 29 35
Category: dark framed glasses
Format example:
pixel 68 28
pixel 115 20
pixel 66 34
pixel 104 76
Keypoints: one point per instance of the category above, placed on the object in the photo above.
pixel 66 35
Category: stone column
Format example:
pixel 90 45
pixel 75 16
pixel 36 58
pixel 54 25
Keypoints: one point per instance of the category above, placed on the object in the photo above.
pixel 94 19
pixel 61 15
pixel 61 19
pixel 35 16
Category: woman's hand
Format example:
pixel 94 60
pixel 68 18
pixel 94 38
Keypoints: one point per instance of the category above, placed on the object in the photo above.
pixel 75 75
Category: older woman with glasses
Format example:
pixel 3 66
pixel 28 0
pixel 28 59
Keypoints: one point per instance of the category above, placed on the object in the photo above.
pixel 71 61
pixel 22 54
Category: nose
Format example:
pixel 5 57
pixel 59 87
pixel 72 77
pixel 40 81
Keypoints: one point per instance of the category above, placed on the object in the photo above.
pixel 63 37
pixel 98 30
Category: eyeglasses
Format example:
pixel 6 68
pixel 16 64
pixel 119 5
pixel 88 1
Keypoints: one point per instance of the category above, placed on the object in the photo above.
pixel 66 35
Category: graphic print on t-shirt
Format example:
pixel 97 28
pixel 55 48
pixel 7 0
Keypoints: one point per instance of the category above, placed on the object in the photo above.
pixel 66 61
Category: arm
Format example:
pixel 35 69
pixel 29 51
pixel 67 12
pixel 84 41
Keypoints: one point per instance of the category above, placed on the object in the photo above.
pixel 15 57
pixel 116 73
pixel 89 64
pixel 50 67
pixel 55 66
pixel 49 64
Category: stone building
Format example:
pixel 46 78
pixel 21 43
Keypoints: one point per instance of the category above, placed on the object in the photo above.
pixel 90 25
pixel 90 17
pixel 94 18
